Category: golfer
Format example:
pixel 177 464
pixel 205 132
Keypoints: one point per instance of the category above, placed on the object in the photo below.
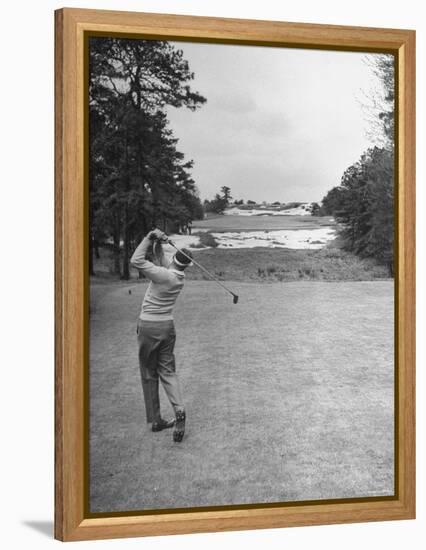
pixel 156 331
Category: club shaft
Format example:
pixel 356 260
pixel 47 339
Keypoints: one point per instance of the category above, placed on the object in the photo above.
pixel 202 268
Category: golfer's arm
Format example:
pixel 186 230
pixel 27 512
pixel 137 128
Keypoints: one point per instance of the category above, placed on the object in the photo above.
pixel 161 256
pixel 153 272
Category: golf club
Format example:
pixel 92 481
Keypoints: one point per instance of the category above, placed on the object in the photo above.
pixel 235 297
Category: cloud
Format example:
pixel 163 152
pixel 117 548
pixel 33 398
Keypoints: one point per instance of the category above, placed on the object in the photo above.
pixel 233 102
pixel 279 124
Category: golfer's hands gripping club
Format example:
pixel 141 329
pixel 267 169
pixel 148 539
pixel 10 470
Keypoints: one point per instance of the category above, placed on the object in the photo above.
pixel 160 236
pixel 157 235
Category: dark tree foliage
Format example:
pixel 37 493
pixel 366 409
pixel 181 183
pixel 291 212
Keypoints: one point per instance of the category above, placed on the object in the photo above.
pixel 138 178
pixel 220 202
pixel 332 201
pixel 226 193
pixel 363 203
pixel 315 209
pixel 216 205
pixel 363 206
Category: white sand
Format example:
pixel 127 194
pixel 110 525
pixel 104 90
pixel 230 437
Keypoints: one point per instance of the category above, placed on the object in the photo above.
pixel 302 210
pixel 294 238
pixel 311 239
pixel 185 241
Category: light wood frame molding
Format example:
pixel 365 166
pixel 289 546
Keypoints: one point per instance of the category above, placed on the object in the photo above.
pixel 71 304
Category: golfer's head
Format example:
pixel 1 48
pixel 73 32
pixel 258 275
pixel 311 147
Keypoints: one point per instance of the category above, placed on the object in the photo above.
pixel 182 258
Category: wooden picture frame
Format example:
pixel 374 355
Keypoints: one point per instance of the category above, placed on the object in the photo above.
pixel 71 310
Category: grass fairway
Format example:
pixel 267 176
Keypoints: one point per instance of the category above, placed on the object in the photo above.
pixel 230 222
pixel 289 396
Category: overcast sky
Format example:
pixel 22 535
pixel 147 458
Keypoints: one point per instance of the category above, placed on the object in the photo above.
pixel 279 124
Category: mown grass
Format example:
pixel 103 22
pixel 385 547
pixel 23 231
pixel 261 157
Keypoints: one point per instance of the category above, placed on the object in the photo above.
pixel 225 223
pixel 289 396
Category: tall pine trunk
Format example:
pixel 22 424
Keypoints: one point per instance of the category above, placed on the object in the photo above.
pixel 116 254
pixel 91 268
pixel 126 247
pixel 116 245
pixel 96 248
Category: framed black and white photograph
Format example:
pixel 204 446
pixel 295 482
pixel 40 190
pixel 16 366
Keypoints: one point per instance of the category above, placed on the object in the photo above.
pixel 234 274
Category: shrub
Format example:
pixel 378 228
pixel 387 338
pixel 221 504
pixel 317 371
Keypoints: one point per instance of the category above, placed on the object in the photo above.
pixel 206 239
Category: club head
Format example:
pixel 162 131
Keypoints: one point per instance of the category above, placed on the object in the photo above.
pixel 235 299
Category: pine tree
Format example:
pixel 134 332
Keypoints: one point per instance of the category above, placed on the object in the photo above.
pixel 136 172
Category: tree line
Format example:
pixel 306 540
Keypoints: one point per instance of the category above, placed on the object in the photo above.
pixel 363 203
pixel 220 201
pixel 138 178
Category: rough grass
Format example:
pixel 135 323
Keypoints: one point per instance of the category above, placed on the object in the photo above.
pixel 278 264
pixel 268 265
pixel 289 396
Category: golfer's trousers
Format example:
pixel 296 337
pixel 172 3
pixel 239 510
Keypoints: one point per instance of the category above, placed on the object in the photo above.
pixel 157 361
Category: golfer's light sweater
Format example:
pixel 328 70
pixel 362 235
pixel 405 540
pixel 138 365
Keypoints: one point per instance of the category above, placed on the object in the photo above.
pixel 164 288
